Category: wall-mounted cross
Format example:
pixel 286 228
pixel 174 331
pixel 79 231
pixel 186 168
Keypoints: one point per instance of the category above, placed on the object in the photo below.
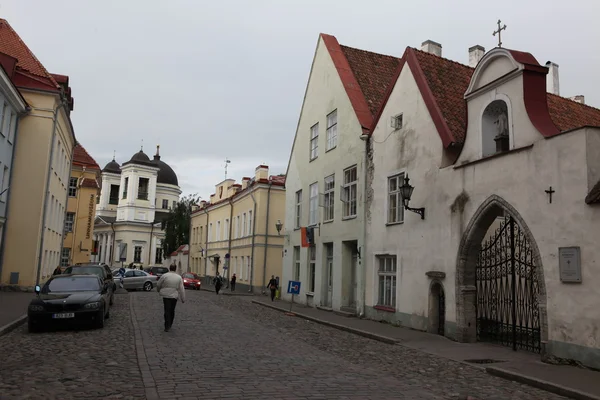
pixel 499 32
pixel 550 191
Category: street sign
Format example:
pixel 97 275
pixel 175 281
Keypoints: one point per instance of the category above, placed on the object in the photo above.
pixel 293 287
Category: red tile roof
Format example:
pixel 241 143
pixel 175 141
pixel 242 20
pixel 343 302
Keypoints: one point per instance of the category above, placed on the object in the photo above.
pixel 568 114
pixel 83 159
pixel 27 62
pixel 90 183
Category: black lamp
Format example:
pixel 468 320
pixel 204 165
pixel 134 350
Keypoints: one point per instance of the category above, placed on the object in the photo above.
pixel 406 191
pixel 279 226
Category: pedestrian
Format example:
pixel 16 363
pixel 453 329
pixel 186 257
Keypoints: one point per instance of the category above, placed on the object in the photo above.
pixel 57 271
pixel 141 267
pixel 218 282
pixel 170 287
pixel 273 286
pixel 233 279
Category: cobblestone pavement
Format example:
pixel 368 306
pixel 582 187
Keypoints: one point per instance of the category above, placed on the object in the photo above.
pixel 227 347
pixel 71 364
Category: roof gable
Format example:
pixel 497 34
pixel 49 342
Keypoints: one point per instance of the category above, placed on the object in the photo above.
pixel 83 159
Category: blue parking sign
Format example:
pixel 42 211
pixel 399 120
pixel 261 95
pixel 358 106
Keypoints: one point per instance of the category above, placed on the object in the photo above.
pixel 293 287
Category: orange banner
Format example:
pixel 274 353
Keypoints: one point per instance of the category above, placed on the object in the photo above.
pixel 304 238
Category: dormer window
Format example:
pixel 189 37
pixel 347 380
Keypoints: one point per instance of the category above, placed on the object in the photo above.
pixel 495 128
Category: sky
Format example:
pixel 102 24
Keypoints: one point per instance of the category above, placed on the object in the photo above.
pixel 216 80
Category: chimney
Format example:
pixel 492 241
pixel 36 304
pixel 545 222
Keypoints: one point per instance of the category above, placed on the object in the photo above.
pixel 429 46
pixel 261 172
pixel 475 54
pixel 552 85
pixel 245 181
pixel 579 98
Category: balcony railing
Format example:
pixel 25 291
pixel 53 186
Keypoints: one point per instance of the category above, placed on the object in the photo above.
pixel 142 195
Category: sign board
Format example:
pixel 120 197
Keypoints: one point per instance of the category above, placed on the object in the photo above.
pixel 569 264
pixel 293 287
pixel 123 252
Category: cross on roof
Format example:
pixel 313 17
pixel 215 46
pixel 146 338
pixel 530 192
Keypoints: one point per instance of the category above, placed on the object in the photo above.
pixel 499 32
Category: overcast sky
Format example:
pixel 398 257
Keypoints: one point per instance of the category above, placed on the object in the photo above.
pixel 209 80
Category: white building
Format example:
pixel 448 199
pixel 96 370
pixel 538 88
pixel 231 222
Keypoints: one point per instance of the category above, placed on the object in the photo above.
pixel 484 146
pixel 135 198
pixel 326 175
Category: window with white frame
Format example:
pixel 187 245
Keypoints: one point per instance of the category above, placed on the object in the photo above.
pixel 5 183
pixel 210 232
pixel 313 204
pixel 69 222
pixel 395 206
pixel 387 281
pixel 248 268
pixel 298 218
pixel 350 191
pixel 73 187
pixel 331 130
pixel 218 233
pixel 244 225
pixel 249 223
pixel 239 227
pixel 297 263
pixel 312 261
pixel 328 197
pixel 314 141
pixel 65 256
pixel 226 230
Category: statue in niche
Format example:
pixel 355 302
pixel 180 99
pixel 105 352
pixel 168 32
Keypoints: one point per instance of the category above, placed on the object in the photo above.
pixel 501 138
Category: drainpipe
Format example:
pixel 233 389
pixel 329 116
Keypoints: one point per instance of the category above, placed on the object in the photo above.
pixel 47 187
pixel 77 199
pixel 112 247
pixel 206 245
pixel 253 241
pixel 229 240
pixel 363 252
pixel 266 238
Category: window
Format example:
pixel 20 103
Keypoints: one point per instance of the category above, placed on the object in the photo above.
pixel 244 224
pixel 298 208
pixel 65 255
pixel 314 141
pixel 73 187
pixel 114 194
pixel 69 222
pixel 313 204
pixel 125 187
pixel 5 183
pixel 248 266
pixel 201 231
pixel 495 128
pixel 329 197
pixel 165 204
pixel 349 192
pixel 312 260
pixel 137 254
pixel 387 281
pixel 226 230
pixel 158 259
pixel 218 235
pixel 210 232
pixel 249 223
pixel 397 122
pixel 143 187
pixel 296 263
pixel 239 227
pixel 174 204
pixel 11 127
pixel 395 205
pixel 329 254
pixel 331 131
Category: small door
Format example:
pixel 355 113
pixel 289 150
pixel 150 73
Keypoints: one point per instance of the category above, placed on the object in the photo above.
pixel 329 276
pixel 354 269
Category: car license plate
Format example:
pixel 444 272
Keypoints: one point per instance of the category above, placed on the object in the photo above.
pixel 63 315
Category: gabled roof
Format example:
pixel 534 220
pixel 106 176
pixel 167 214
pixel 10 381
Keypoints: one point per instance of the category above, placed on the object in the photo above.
pixel 568 114
pixel 83 159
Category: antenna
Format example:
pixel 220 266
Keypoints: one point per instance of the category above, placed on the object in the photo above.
pixel 227 161
pixel 142 148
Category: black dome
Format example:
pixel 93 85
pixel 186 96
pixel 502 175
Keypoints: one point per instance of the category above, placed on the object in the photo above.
pixel 140 156
pixel 112 167
pixel 166 175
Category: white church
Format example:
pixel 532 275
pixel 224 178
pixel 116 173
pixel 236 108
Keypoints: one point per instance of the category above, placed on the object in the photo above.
pixel 135 197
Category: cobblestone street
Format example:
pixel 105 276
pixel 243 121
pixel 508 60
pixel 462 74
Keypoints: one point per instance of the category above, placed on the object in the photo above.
pixel 227 347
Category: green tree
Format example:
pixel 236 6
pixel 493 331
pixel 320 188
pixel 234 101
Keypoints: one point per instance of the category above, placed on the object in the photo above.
pixel 177 224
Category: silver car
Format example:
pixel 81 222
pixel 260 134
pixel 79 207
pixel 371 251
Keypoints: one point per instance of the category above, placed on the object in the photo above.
pixel 135 279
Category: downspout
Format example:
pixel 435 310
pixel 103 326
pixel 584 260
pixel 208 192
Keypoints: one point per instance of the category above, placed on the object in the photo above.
pixel 229 240
pixel 206 245
pixel 363 253
pixel 253 241
pixel 46 189
pixel 266 238
pixel 76 210
pixel 112 247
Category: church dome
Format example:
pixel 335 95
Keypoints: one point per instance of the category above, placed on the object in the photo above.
pixel 140 156
pixel 112 167
pixel 166 175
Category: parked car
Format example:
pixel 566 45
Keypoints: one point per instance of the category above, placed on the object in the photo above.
pixel 100 270
pixel 135 279
pixel 158 271
pixel 68 299
pixel 191 280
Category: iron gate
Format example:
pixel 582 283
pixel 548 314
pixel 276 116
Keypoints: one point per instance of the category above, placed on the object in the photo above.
pixel 507 289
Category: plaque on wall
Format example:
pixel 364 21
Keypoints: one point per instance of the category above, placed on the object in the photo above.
pixel 569 264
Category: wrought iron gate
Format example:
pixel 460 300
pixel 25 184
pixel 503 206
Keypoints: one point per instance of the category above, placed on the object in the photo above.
pixel 507 289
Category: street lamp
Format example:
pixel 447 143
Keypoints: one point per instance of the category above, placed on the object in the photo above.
pixel 406 193
pixel 279 226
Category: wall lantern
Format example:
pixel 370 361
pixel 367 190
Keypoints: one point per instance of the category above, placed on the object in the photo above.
pixel 406 192
pixel 279 226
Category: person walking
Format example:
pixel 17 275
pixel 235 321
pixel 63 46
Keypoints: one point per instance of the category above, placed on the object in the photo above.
pixel 218 282
pixel 273 286
pixel 170 287
pixel 57 271
pixel 233 279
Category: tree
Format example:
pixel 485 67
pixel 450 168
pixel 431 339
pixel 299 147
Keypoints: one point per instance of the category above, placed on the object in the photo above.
pixel 177 224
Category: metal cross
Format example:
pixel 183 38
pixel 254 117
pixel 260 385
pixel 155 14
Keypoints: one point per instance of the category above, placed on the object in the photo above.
pixel 499 32
pixel 550 191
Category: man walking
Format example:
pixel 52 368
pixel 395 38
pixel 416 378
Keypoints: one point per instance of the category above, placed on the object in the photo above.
pixel 273 286
pixel 218 282
pixel 233 279
pixel 170 287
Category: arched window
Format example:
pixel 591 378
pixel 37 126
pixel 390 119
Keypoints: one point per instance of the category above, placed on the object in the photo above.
pixel 495 128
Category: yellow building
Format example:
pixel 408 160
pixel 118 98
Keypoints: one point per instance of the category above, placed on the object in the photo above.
pixel 235 232
pixel 37 199
pixel 83 192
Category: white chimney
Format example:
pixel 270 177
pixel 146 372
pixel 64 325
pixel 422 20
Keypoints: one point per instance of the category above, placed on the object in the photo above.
pixel 475 54
pixel 429 46
pixel 579 98
pixel 552 85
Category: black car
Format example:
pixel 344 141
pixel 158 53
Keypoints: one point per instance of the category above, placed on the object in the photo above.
pixel 101 270
pixel 69 299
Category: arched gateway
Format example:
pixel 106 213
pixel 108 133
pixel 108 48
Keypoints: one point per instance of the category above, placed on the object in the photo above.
pixel 500 289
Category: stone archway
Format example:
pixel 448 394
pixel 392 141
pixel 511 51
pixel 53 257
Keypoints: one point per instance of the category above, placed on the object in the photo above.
pixel 437 308
pixel 467 260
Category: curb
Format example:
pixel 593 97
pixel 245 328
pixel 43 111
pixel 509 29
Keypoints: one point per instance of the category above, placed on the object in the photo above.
pixel 359 332
pixel 228 293
pixel 541 384
pixel 13 325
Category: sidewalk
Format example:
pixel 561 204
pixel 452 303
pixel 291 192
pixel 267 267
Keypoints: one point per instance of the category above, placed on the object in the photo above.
pixel 568 381
pixel 13 309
